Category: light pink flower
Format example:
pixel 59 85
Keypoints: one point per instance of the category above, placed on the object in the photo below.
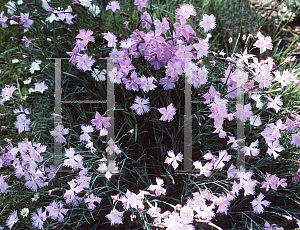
pixel 115 216
pixel 208 22
pixel 167 113
pixel 263 43
pixel 172 159
pixel 258 204
pixel 114 5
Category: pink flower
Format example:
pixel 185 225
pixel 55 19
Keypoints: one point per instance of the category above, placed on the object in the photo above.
pixel 208 22
pixel 230 40
pixel 3 185
pixel 72 161
pixel 202 48
pixel 84 62
pixel 167 113
pixel 141 4
pixel 244 37
pixel 185 11
pixel 86 36
pixel 7 93
pixel 172 159
pixel 56 211
pixel 111 38
pixel 132 83
pixel 258 204
pixel 40 87
pixel 3 19
pixel 22 123
pixel 58 133
pixel 115 216
pixel 140 105
pixel 126 66
pixel 146 20
pixel 100 121
pixel 126 24
pixel 205 170
pixel 251 151
pixel 86 129
pixel 39 218
pixel 12 219
pixel 26 21
pixel 275 103
pixel 296 139
pixel 158 188
pixel 114 5
pixel 25 39
pixel 91 199
pixel 263 43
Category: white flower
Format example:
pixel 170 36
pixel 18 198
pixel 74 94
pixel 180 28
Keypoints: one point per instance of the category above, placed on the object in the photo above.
pixel 99 76
pixel 255 120
pixel 36 196
pixel 11 7
pixel 86 3
pixel 24 212
pixel 48 39
pixel 52 18
pixel 13 22
pixel 256 97
pixel 35 66
pixel 30 90
pixel 94 9
pixel 20 2
pixel 208 36
pixel 26 82
pixel 15 61
pixel 45 4
pixel 24 97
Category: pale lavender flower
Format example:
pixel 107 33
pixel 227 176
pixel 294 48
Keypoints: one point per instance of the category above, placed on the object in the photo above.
pixel 100 121
pixel 3 185
pixel 7 93
pixel 22 123
pixel 25 39
pixel 38 218
pixel 111 38
pixel 3 19
pixel 296 139
pixel 56 211
pixel 72 161
pixel 140 105
pixel 12 219
pixel 167 113
pixel 25 19
pixel 86 36
pixel 91 199
pixel 159 190
pixel 58 133
pixel 208 22
pixel 113 5
pixel 172 159
pixel 115 216
pixel 258 202
pixel 40 87
pixel 85 62
pixel 263 43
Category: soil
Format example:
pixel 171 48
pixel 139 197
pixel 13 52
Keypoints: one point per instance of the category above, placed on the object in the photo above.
pixel 288 33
